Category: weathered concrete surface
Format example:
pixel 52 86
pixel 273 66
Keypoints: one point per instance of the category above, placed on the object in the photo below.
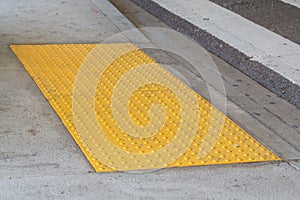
pixel 40 160
pixel 267 181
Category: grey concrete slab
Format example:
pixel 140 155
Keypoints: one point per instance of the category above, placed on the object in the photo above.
pixel 56 21
pixel 10 61
pixel 295 164
pixel 33 139
pixel 122 24
pixel 258 181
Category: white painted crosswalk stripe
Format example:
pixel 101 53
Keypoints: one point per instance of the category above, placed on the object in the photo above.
pixel 272 50
pixel 293 2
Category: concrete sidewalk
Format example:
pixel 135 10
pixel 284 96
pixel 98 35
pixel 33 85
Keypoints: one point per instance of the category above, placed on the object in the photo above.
pixel 38 157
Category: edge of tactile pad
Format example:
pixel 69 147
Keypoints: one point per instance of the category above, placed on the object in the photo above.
pixel 80 144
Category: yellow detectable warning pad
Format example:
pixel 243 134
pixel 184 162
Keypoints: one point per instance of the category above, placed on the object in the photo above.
pixel 127 112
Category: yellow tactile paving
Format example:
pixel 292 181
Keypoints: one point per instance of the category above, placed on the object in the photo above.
pixel 126 112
